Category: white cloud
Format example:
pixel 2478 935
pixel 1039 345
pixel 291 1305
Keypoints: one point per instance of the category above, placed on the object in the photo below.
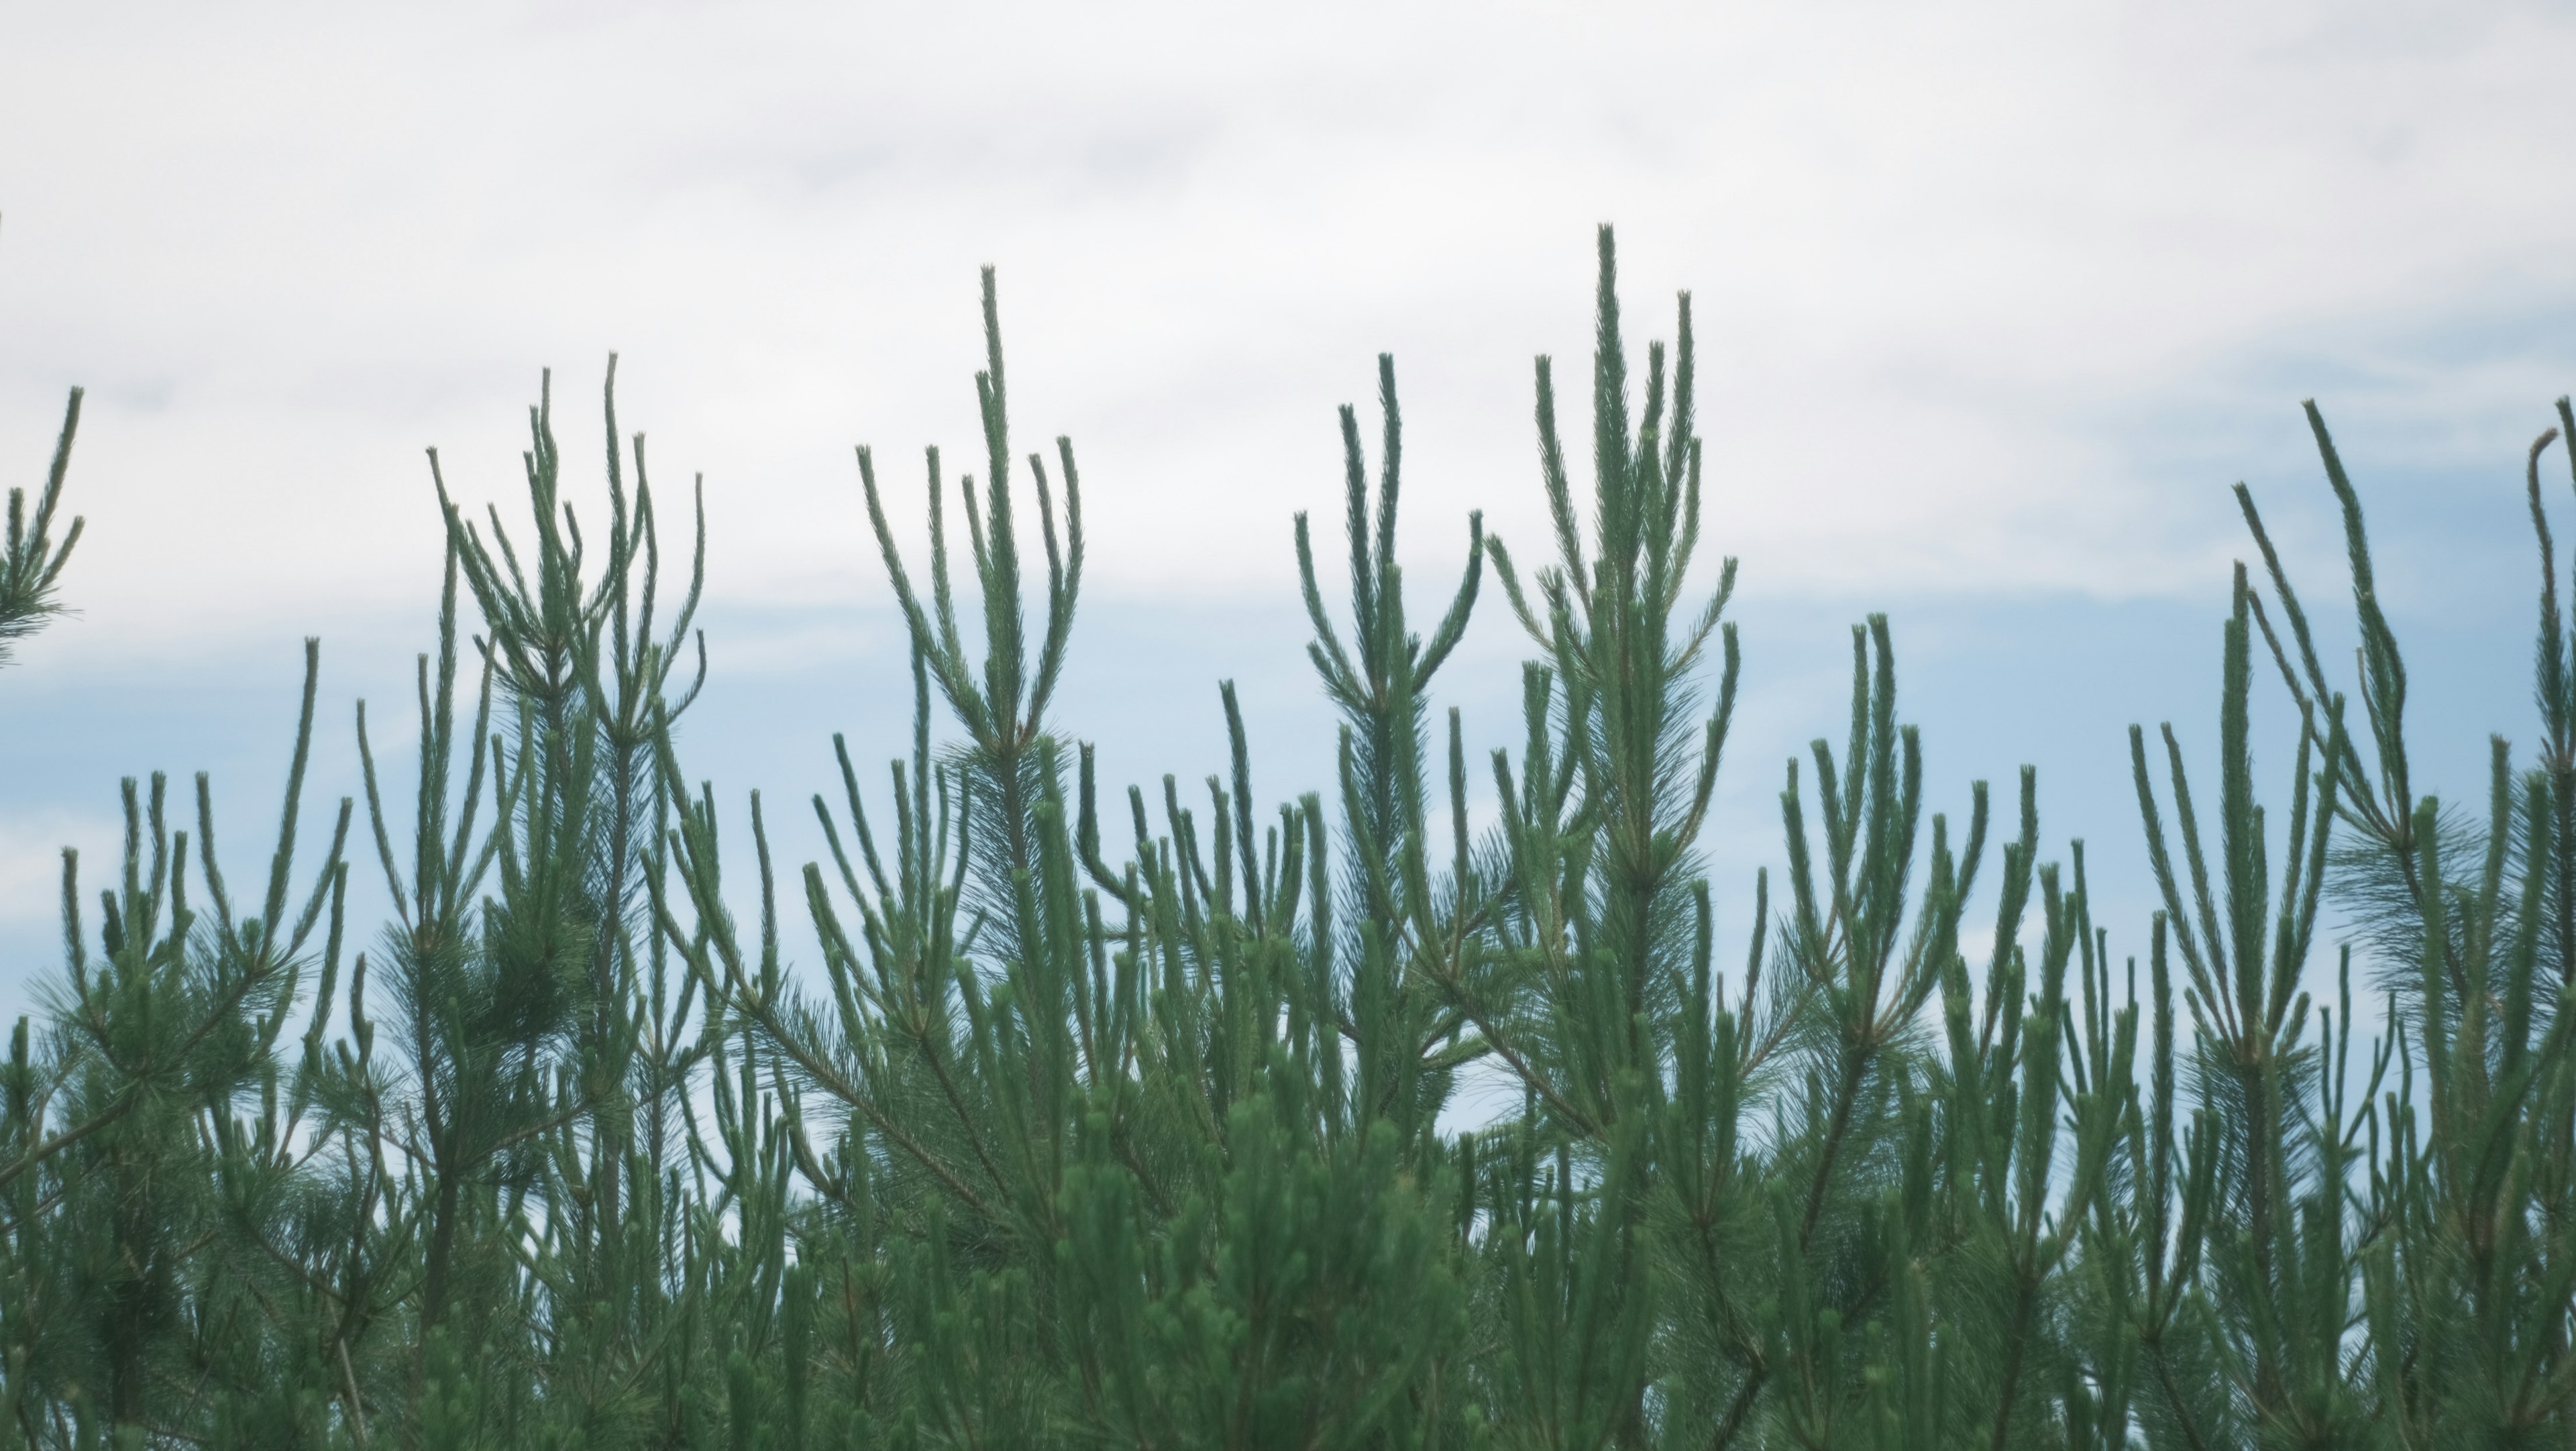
pixel 1953 265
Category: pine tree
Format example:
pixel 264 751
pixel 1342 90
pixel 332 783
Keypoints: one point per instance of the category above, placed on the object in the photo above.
pixel 32 567
pixel 1160 1137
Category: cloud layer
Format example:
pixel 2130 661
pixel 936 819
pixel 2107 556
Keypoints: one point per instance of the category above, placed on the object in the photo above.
pixel 1992 297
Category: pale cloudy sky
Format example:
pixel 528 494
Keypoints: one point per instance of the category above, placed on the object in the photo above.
pixel 1995 300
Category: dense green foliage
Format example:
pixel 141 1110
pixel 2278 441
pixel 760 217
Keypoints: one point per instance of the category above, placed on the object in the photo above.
pixel 1073 1138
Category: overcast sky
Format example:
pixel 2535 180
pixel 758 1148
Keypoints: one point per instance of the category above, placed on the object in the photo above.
pixel 1994 302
